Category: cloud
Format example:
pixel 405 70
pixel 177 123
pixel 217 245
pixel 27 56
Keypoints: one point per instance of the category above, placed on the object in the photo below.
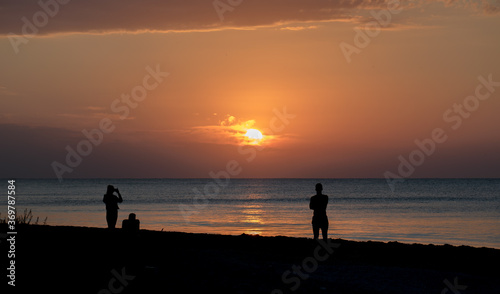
pixel 30 151
pixel 491 8
pixel 97 16
pixel 5 92
pixel 93 113
pixel 487 7
pixel 136 16
pixel 228 131
pixel 298 28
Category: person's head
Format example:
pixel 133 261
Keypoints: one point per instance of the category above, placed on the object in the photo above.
pixel 319 187
pixel 110 190
pixel 131 216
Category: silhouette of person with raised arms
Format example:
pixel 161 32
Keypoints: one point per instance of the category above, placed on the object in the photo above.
pixel 318 203
pixel 112 201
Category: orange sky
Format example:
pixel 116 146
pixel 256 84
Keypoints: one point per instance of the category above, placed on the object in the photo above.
pixel 345 119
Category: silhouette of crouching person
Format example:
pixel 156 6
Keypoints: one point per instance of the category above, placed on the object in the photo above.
pixel 112 201
pixel 131 225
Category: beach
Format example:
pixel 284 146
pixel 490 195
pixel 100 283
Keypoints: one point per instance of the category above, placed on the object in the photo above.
pixel 65 259
pixel 427 211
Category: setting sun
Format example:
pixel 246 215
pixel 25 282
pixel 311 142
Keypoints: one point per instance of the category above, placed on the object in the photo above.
pixel 254 134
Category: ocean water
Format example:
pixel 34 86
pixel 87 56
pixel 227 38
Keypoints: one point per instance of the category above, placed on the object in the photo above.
pixel 437 211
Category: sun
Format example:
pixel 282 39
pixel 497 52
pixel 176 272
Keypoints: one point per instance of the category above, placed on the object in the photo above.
pixel 254 134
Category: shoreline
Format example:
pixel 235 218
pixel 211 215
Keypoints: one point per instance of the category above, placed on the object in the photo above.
pixel 90 257
pixel 333 234
pixel 285 236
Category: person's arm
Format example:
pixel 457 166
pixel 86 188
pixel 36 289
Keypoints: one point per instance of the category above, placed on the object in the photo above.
pixel 120 199
pixel 311 204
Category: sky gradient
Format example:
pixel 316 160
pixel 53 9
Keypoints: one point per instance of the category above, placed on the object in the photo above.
pixel 173 86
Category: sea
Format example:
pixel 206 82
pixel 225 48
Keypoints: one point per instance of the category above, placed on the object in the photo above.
pixel 427 211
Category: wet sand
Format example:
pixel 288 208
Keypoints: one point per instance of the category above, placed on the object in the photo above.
pixel 61 259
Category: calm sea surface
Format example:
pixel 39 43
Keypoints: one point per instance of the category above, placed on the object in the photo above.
pixel 452 211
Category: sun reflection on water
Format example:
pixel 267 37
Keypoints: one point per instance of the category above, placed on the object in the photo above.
pixel 252 216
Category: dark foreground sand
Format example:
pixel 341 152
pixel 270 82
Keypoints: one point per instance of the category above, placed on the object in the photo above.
pixel 52 259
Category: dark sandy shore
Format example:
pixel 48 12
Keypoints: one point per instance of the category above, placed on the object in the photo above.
pixel 57 259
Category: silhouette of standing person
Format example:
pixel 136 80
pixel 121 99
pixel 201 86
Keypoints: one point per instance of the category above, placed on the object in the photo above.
pixel 318 203
pixel 112 201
